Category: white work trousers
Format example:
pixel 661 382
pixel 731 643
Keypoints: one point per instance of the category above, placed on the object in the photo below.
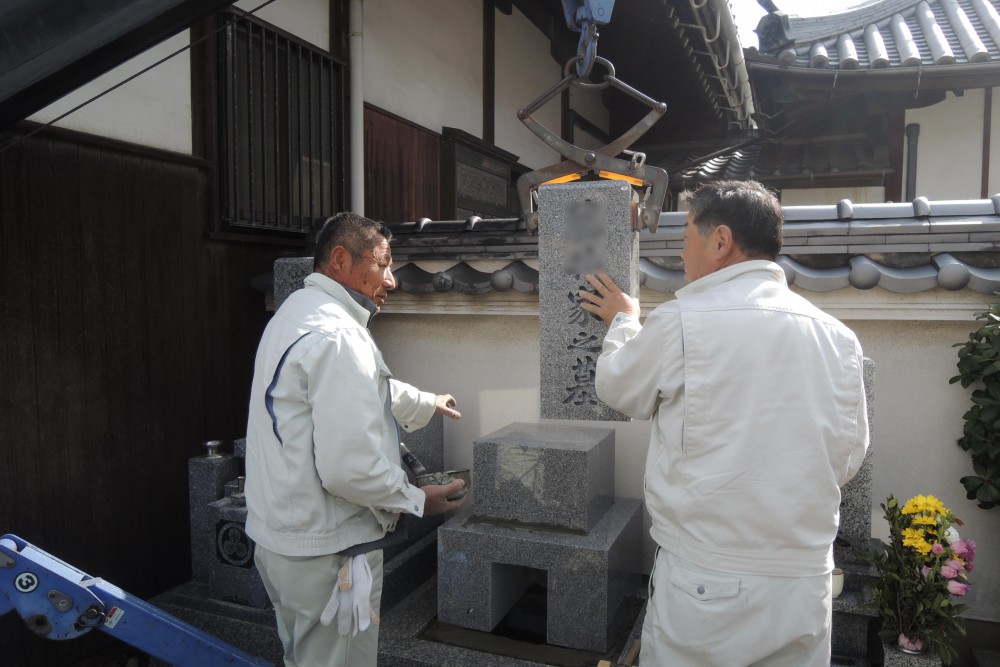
pixel 705 618
pixel 299 588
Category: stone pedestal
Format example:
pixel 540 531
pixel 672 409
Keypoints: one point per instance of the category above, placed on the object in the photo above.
pixel 851 615
pixel 555 475
pixel 207 477
pixel 552 521
pixel 854 535
pixel 232 575
pixel 222 552
pixel 583 228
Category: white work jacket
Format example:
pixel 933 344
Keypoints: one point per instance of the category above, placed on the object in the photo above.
pixel 759 417
pixel 323 465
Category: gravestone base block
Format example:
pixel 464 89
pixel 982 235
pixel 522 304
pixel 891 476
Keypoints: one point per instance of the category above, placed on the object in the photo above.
pixel 558 475
pixel 207 477
pixel 484 566
pixel 232 575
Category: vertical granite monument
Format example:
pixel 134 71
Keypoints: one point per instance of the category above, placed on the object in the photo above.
pixel 851 615
pixel 584 228
pixel 544 509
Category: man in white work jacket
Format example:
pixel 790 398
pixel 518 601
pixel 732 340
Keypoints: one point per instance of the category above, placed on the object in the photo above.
pixel 759 417
pixel 324 482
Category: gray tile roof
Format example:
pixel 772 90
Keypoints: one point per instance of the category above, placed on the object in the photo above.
pixel 892 34
pixel 903 248
pixel 796 161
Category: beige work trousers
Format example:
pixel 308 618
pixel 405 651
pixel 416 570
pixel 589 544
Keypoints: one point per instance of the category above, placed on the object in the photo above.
pixel 299 588
pixel 705 618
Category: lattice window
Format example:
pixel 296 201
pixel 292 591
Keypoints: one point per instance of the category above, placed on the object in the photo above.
pixel 281 117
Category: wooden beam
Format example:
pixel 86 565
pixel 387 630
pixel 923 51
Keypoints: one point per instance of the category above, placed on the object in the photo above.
pixel 984 188
pixel 894 130
pixel 489 71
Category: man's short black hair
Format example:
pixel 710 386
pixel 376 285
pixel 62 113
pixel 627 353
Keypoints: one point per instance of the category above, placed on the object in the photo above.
pixel 748 208
pixel 356 233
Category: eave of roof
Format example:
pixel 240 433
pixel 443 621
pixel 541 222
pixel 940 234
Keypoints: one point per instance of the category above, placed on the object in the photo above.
pixel 857 159
pixel 716 30
pixel 910 79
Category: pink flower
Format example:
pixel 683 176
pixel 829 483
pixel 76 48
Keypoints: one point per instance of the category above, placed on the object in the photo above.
pixel 957 588
pixel 938 549
pixel 910 644
pixel 960 547
pixel 970 555
pixel 950 571
pixel 926 571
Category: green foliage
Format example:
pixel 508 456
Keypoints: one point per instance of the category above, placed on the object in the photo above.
pixel 979 366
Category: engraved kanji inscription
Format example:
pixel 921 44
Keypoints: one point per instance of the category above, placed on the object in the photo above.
pixel 582 391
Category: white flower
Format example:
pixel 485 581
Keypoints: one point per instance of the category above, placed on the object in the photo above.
pixel 951 535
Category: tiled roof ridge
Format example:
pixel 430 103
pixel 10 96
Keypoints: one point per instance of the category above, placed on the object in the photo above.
pixel 892 34
pixel 939 235
pixel 812 28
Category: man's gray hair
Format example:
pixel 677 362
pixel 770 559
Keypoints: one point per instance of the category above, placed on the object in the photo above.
pixel 354 232
pixel 748 208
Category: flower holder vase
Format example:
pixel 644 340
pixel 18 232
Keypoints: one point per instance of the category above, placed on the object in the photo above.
pixel 894 657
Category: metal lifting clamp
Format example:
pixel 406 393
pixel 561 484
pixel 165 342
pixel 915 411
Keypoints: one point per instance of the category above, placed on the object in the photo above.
pixel 600 161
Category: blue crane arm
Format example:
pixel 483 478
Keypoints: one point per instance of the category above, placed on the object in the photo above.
pixel 58 601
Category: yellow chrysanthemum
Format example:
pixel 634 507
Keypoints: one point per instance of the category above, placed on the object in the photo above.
pixel 914 538
pixel 918 504
pixel 923 520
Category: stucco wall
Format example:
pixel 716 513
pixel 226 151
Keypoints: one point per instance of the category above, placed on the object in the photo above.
pixel 524 70
pixel 949 149
pixel 152 110
pixel 994 180
pixel 918 418
pixel 424 62
pixel 306 19
pixel 490 363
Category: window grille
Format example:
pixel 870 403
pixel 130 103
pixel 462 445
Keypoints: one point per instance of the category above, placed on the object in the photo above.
pixel 281 114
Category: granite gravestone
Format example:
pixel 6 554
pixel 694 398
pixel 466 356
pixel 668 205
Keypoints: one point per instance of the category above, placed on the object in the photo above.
pixel 583 228
pixel 543 514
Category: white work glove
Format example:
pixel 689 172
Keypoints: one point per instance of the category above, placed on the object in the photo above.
pixel 350 601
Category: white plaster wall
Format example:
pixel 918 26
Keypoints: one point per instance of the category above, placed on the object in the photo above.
pixel 491 365
pixel 308 20
pixel 949 148
pixel 819 196
pixel 994 180
pixel 524 70
pixel 918 418
pixel 423 61
pixel 589 104
pixel 152 110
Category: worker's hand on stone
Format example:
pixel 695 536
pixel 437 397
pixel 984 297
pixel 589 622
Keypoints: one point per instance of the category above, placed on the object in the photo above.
pixel 444 404
pixel 436 501
pixel 607 300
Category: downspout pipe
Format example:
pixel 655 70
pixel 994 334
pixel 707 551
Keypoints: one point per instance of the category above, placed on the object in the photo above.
pixel 912 133
pixel 357 106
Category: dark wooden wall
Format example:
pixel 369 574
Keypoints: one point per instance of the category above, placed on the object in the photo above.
pixel 126 339
pixel 402 168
